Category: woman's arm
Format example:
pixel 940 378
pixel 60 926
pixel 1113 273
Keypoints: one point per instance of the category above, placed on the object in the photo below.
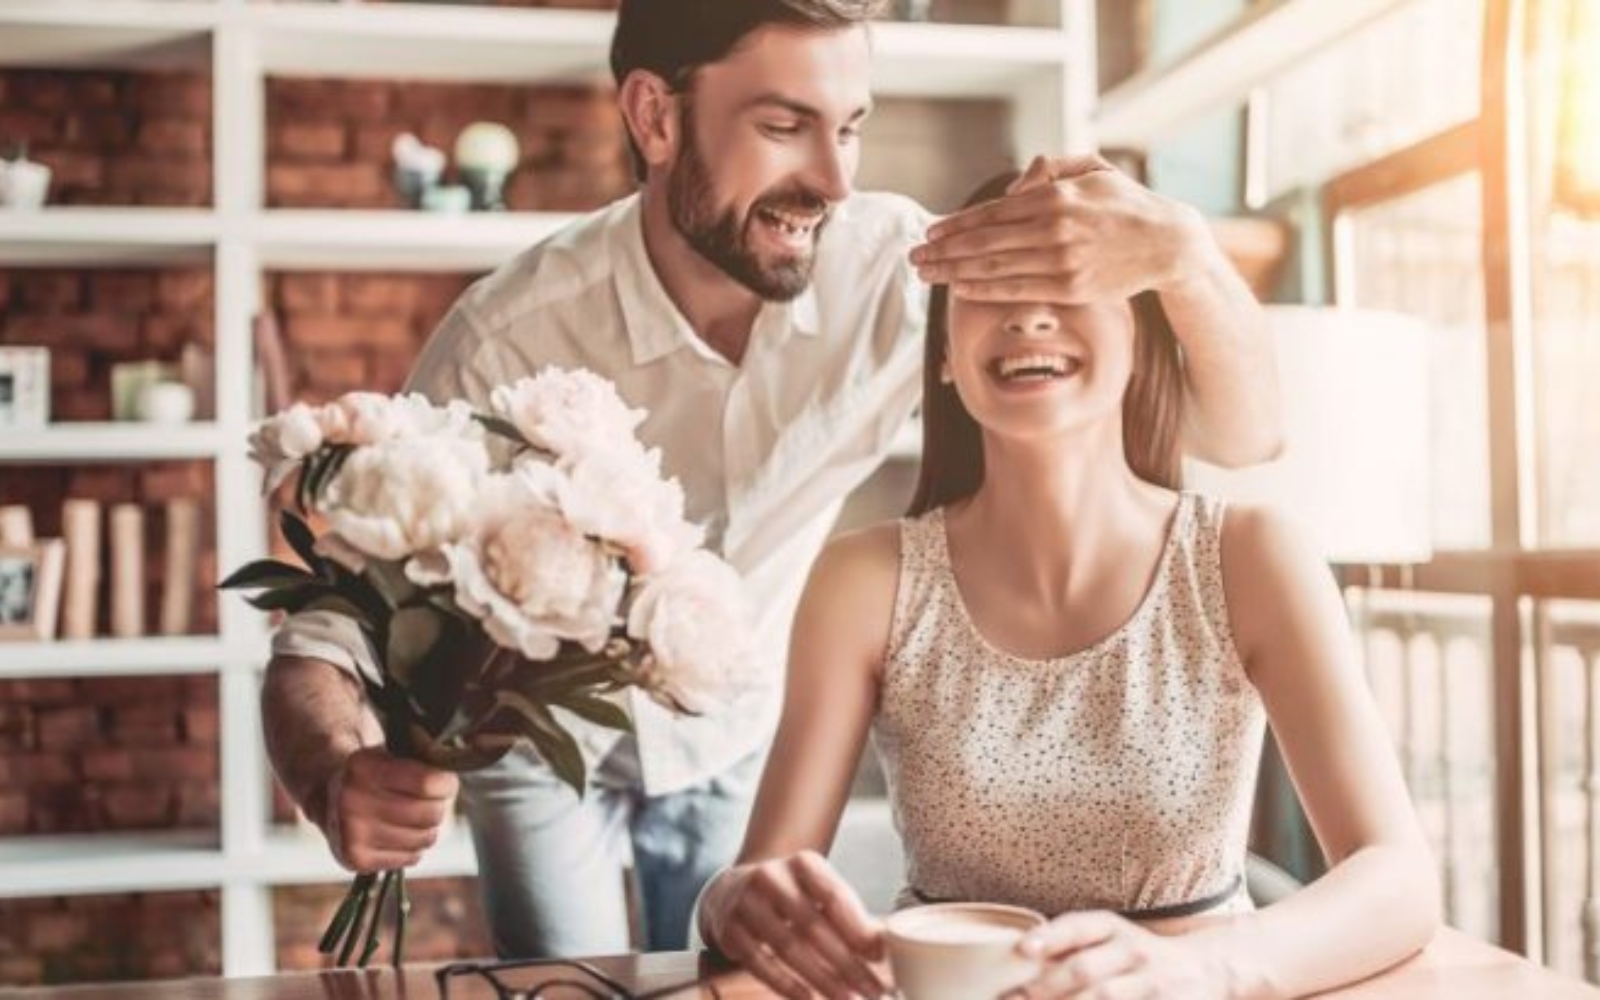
pixel 1377 905
pixel 781 910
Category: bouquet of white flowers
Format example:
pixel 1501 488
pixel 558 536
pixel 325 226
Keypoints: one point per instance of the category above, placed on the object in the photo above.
pixel 494 584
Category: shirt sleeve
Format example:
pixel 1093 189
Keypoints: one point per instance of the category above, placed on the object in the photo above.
pixel 325 635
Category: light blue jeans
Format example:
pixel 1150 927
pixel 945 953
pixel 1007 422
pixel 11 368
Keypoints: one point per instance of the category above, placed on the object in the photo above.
pixel 551 866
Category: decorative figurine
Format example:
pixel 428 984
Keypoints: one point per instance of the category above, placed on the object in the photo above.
pixel 486 153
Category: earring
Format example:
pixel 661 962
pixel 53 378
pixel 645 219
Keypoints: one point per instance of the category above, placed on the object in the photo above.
pixel 945 378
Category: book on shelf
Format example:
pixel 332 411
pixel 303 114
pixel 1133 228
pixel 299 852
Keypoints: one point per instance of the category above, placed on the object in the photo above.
pixel 16 526
pixel 127 571
pixel 272 362
pixel 80 599
pixel 177 584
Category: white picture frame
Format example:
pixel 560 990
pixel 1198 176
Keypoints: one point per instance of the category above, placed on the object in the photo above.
pixel 24 386
pixel 30 590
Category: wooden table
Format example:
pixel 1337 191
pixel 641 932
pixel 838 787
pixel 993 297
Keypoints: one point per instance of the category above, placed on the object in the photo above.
pixel 1454 967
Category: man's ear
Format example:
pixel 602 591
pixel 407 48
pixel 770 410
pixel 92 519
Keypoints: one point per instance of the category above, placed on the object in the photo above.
pixel 650 110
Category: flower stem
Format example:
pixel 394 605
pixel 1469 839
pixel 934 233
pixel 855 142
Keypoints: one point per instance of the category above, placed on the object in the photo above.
pixel 354 933
pixel 371 946
pixel 402 911
pixel 347 911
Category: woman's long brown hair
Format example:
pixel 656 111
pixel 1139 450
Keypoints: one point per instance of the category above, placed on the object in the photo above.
pixel 1152 408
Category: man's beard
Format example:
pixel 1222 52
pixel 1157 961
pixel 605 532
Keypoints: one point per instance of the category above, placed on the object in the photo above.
pixel 722 238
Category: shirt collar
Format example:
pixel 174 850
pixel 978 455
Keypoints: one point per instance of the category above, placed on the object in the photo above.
pixel 655 327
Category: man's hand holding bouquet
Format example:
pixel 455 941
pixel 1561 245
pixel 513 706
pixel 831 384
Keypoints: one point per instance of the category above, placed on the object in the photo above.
pixel 499 565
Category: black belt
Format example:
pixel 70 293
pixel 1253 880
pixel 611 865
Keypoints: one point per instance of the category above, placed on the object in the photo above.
pixel 1168 912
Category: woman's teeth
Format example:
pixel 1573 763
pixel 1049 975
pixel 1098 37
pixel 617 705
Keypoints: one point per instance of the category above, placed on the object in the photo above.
pixel 1029 367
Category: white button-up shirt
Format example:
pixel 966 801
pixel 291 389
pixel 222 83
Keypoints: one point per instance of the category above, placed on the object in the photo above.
pixel 765 450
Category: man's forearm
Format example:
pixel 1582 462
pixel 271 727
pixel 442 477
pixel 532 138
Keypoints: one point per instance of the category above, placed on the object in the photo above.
pixel 1234 412
pixel 313 717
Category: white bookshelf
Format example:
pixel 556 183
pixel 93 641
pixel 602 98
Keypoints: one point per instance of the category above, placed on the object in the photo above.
pixel 118 237
pixel 157 656
pixel 88 864
pixel 1045 69
pixel 93 441
pixel 109 862
pixel 299 856
pixel 296 239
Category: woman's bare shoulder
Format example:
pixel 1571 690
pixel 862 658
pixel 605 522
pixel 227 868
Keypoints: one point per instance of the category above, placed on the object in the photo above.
pixel 853 583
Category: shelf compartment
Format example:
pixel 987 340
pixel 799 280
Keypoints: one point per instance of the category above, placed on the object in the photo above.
pixel 109 442
pixel 157 656
pixel 131 34
pixel 94 863
pixel 107 237
pixel 350 240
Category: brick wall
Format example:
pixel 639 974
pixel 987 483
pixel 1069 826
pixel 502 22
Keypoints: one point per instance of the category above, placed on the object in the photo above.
pixel 446 923
pixel 113 138
pixel 101 938
pixel 329 141
pixel 356 331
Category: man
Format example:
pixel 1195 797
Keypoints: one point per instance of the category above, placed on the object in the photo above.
pixel 770 323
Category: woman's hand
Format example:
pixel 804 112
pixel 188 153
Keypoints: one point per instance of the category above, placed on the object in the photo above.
pixel 794 924
pixel 1101 955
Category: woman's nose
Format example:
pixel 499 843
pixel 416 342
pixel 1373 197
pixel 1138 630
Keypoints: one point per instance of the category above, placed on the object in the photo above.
pixel 1032 317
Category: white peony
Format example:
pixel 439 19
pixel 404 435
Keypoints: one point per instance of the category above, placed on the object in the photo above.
pixel 694 618
pixel 356 418
pixel 405 495
pixel 567 412
pixel 280 443
pixel 363 418
pixel 620 495
pixel 528 575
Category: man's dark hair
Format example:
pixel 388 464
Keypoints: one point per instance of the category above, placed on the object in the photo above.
pixel 673 38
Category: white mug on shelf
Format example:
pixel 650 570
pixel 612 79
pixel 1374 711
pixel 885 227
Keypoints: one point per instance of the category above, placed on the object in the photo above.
pixel 166 403
pixel 24 184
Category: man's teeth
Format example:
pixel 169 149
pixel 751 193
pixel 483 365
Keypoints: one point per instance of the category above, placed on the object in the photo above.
pixel 1036 366
pixel 791 225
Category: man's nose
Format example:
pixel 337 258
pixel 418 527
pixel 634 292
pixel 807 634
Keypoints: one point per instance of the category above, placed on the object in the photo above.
pixel 833 171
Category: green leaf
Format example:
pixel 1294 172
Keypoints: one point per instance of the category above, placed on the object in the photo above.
pixel 298 534
pixel 302 488
pixel 340 604
pixel 325 464
pixel 503 428
pixel 413 632
pixel 561 752
pixel 285 599
pixel 266 574
pixel 388 579
pixel 597 710
pixel 444 599
pixel 554 743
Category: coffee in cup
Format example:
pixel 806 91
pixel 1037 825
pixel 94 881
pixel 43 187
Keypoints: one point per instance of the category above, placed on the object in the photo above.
pixel 960 951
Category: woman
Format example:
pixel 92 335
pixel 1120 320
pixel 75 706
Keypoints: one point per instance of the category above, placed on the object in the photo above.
pixel 1064 662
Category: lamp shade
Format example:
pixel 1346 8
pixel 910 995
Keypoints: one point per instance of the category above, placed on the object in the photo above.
pixel 1354 469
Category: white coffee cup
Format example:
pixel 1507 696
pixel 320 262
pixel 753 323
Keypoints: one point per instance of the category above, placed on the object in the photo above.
pixel 959 951
pixel 24 184
pixel 167 403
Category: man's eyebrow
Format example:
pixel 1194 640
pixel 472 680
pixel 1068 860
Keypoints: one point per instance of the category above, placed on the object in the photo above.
pixel 800 108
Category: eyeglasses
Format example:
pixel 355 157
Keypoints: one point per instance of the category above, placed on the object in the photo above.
pixel 555 979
